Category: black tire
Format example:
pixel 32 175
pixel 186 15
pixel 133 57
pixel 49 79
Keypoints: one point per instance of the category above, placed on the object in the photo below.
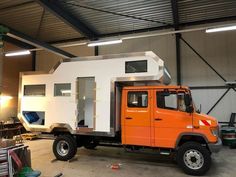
pixel 200 161
pixel 64 147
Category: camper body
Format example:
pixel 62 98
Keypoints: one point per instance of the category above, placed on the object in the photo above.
pixel 119 99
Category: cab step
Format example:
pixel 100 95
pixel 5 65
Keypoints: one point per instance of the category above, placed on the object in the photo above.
pixel 165 152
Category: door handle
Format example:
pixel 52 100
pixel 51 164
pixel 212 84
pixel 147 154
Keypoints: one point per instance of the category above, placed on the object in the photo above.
pixel 128 118
pixel 158 119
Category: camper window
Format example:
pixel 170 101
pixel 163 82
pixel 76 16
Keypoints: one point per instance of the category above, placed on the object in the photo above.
pixel 34 90
pixel 62 89
pixel 136 66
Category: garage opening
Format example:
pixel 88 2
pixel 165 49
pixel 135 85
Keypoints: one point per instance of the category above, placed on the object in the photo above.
pixel 86 95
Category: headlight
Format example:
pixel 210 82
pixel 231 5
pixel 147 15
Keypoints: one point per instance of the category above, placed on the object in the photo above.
pixel 215 131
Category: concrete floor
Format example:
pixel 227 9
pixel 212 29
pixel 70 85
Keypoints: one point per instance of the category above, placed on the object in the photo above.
pixel 96 163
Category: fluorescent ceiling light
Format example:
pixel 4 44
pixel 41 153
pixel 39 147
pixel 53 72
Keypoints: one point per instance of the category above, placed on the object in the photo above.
pixel 23 52
pixel 98 43
pixel 219 29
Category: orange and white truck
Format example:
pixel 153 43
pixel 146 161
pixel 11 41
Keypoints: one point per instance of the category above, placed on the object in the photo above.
pixel 121 99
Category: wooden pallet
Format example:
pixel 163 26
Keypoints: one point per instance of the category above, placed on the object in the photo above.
pixel 18 139
pixel 29 136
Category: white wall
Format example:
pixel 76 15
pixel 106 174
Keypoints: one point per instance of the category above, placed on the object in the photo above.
pixel 46 60
pixel 9 80
pixel 1 64
pixel 218 49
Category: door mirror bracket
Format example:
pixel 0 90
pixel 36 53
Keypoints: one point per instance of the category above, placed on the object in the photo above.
pixel 189 109
pixel 187 100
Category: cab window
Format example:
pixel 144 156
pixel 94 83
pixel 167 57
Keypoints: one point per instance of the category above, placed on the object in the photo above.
pixel 171 100
pixel 138 99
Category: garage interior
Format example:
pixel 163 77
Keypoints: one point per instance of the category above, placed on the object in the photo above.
pixel 49 31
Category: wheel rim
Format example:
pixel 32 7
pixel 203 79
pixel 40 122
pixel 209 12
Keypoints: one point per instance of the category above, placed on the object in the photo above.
pixel 193 159
pixel 62 148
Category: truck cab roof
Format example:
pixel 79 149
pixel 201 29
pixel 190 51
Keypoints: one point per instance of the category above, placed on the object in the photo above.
pixel 155 87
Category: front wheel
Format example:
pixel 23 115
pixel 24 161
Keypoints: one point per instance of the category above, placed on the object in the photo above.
pixel 193 158
pixel 64 147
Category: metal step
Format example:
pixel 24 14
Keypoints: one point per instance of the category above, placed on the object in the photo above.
pixel 165 152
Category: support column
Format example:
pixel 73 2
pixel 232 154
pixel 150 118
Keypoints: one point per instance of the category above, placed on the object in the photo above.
pixel 1 64
pixel 33 60
pixel 178 58
pixel 96 51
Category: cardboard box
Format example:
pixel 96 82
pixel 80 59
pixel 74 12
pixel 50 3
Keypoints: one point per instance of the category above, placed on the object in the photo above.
pixel 4 143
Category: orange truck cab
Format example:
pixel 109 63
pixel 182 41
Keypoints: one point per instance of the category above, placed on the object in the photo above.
pixel 164 117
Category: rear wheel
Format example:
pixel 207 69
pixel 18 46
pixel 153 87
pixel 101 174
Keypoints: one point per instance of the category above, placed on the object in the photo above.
pixel 64 147
pixel 193 158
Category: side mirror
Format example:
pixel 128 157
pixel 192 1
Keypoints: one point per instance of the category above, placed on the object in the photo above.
pixel 187 100
pixel 200 109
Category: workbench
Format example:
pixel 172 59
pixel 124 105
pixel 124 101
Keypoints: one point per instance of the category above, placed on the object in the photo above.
pixel 8 130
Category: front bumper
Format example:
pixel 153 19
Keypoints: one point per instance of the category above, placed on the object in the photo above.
pixel 215 147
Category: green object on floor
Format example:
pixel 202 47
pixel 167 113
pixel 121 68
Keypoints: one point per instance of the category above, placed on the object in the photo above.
pixel 28 172
pixel 228 135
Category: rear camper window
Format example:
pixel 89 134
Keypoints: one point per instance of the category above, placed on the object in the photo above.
pixel 34 90
pixel 136 66
pixel 62 89
pixel 138 99
pixel 34 117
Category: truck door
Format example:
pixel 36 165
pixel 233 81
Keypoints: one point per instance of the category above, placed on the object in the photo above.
pixel 136 120
pixel 169 117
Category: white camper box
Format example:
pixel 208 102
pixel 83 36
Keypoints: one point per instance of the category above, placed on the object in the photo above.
pixel 82 95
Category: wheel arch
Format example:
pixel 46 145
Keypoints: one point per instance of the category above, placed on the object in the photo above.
pixel 61 129
pixel 190 136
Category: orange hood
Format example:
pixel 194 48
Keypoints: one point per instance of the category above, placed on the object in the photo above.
pixel 205 120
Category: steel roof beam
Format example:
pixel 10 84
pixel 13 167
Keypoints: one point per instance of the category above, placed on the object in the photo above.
pixel 17 43
pixel 201 22
pixel 225 19
pixel 68 18
pixel 37 43
pixel 175 13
